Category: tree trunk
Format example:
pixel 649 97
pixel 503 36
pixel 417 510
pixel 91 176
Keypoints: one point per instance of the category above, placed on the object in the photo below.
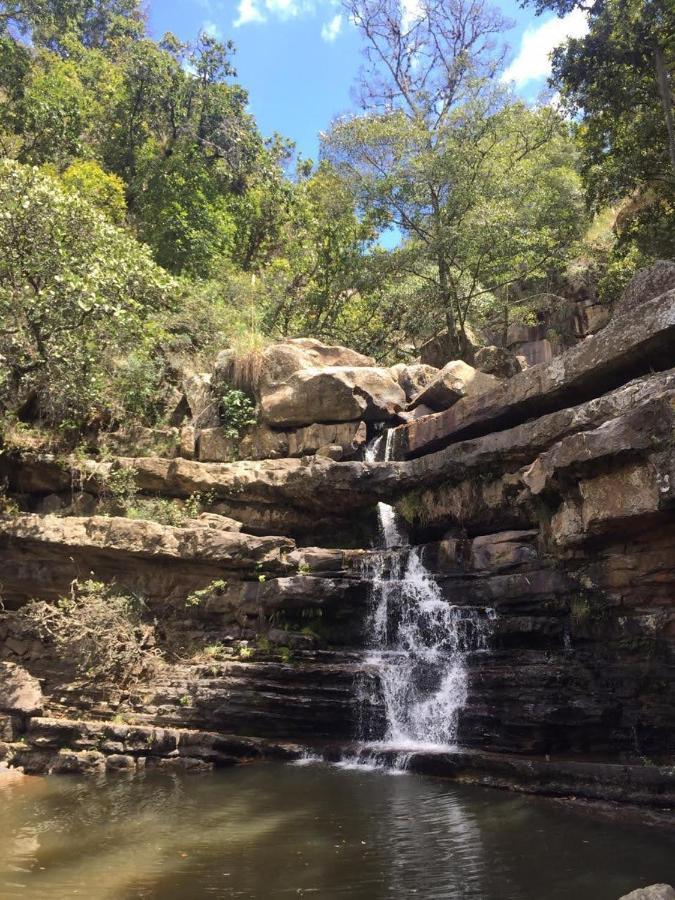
pixel 446 300
pixel 663 81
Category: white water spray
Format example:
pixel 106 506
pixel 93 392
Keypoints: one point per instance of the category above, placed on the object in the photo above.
pixel 419 641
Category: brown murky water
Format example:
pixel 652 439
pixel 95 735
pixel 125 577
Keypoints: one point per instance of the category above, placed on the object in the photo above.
pixel 311 831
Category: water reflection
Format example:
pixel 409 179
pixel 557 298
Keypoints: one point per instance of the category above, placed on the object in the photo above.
pixel 278 831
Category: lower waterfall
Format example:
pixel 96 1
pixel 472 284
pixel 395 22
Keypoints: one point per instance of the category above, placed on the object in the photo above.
pixel 419 643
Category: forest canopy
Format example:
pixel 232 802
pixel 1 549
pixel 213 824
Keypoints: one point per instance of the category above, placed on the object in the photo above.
pixel 145 217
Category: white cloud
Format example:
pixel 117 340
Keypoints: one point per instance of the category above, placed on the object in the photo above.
pixel 533 59
pixel 411 11
pixel 248 12
pixel 260 10
pixel 212 30
pixel 330 30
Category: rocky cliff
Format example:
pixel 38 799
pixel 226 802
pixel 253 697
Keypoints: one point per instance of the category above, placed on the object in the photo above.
pixel 547 497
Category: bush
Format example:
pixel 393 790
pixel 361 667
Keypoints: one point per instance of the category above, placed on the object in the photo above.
pixel 75 292
pixel 101 630
pixel 237 412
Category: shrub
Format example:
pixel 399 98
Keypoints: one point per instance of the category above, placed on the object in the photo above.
pixel 100 629
pixel 75 292
pixel 237 412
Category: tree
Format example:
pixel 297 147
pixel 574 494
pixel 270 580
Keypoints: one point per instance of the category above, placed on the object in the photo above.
pixel 102 190
pixel 56 24
pixel 181 139
pixel 452 165
pixel 74 290
pixel 619 83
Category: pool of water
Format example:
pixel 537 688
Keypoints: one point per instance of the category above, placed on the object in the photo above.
pixel 287 831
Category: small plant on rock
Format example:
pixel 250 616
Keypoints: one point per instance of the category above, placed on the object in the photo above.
pixel 237 412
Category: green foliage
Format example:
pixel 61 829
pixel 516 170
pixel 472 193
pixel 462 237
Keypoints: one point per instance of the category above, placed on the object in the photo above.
pixel 101 189
pixel 196 598
pixel 237 412
pixel 157 509
pixel 198 502
pixel 118 490
pixel 488 200
pixel 617 81
pixel 74 290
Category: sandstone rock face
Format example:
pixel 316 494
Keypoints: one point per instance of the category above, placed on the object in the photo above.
pixel 280 360
pixel 203 539
pixel 348 436
pixel 497 361
pixel 19 691
pixel 455 380
pixel 639 341
pixel 262 442
pixel 332 394
pixel 590 317
pixel 646 285
pixel 201 400
pixel 216 446
pixel 414 378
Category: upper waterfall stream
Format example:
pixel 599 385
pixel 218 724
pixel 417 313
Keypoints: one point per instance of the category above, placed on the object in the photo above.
pixel 418 641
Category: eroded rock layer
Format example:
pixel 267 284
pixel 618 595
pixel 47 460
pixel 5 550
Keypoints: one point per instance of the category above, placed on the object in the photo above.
pixel 548 499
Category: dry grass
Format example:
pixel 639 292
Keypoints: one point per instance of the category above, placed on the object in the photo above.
pixel 244 367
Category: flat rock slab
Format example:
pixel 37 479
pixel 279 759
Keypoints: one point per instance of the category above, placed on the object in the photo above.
pixel 630 345
pixel 137 537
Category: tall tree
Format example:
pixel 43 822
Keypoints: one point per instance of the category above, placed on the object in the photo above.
pixel 619 82
pixel 441 153
pixel 55 24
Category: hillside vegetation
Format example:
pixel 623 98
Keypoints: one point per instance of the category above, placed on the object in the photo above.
pixel 145 220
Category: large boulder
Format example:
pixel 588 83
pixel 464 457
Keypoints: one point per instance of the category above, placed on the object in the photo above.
pixel 455 380
pixel 19 692
pixel 332 394
pixel 439 350
pixel 272 366
pixel 647 284
pixel 201 400
pixel 414 378
pixel 498 361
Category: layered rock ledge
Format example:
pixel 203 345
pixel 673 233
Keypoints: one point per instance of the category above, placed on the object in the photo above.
pixel 545 504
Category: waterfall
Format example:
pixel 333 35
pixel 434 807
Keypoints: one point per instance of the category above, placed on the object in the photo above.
pixel 418 641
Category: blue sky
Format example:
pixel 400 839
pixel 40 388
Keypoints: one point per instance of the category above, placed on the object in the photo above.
pixel 299 59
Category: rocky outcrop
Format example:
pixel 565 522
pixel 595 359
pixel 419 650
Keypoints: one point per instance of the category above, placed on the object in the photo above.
pixel 632 344
pixel 20 693
pixel 334 394
pixel 646 285
pixel 544 508
pixel 652 892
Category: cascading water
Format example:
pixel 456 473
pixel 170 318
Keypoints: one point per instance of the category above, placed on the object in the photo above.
pixel 419 642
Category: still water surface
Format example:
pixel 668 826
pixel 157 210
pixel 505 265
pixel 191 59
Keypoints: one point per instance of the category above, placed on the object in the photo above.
pixel 313 831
